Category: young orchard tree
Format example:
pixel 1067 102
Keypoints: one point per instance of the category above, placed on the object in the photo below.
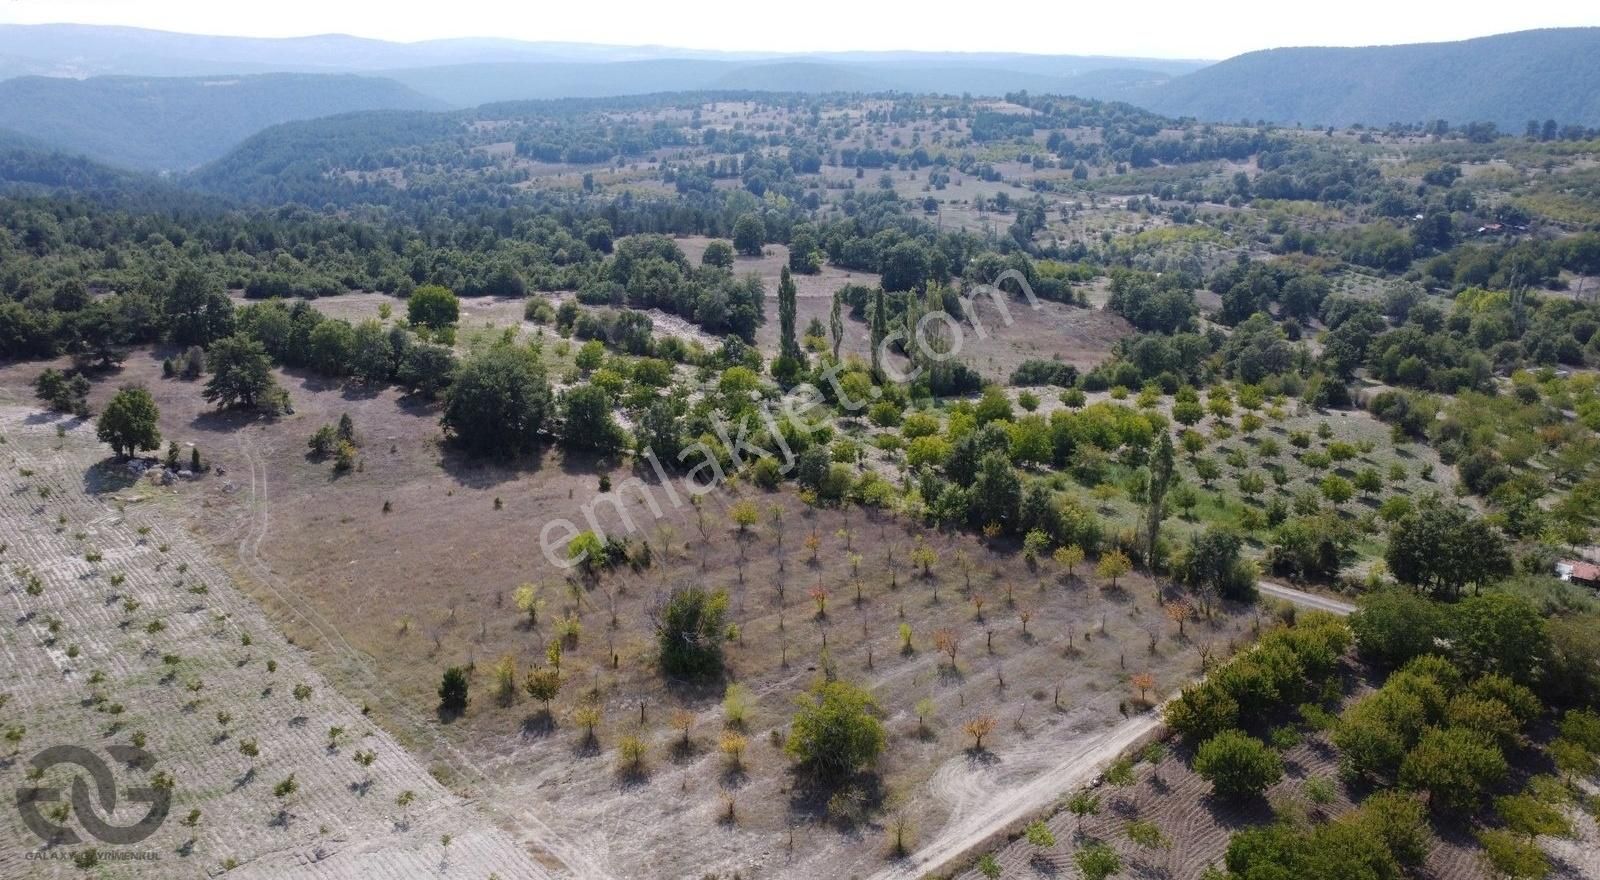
pixel 543 685
pixel 683 722
pixel 736 706
pixel 1114 564
pixel 732 746
pixel 505 680
pixel 978 728
pixel 1040 836
pixel 1179 612
pixel 744 515
pixel 1097 861
pixel 587 716
pixel 527 600
pixel 820 597
pixel 1143 682
pixel 632 752
pixel 945 641
pixel 1068 558
pixel 1083 803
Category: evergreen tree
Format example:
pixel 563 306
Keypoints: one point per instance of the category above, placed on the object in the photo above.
pixel 1160 480
pixel 880 330
pixel 789 347
pixel 836 323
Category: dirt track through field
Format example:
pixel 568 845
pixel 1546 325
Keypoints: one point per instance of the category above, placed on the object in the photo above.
pixel 998 808
pixel 982 814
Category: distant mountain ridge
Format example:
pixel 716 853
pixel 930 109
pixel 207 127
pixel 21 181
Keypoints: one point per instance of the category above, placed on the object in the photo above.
pixel 91 50
pixel 143 101
pixel 1507 79
pixel 469 85
pixel 162 121
pixel 175 123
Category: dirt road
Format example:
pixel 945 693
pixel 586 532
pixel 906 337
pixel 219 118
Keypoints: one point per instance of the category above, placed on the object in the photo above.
pixel 1304 599
pixel 1075 770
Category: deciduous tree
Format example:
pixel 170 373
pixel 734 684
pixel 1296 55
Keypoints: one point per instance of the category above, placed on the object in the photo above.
pixel 128 423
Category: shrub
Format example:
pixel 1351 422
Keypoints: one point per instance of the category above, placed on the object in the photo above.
pixel 836 731
pixel 689 630
pixel 453 690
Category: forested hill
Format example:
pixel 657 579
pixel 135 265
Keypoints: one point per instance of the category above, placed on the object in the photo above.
pixel 29 168
pixel 1506 79
pixel 156 123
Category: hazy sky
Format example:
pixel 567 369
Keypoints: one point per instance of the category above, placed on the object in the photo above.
pixel 1154 28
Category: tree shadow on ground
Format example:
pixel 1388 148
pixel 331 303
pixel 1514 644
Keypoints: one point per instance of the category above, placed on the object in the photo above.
pixel 810 796
pixel 634 776
pixel 683 751
pixel 224 421
pixel 539 725
pixel 474 471
pixel 44 417
pixel 111 475
pixel 734 777
pixel 979 758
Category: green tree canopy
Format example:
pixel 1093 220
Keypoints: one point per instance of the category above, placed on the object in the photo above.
pixel 498 402
pixel 586 421
pixel 241 373
pixel 1441 548
pixel 1500 633
pixel 1393 626
pixel 1454 765
pixel 837 731
pixel 1237 765
pixel 718 253
pixel 128 422
pixel 433 306
pixel 690 628
pixel 749 235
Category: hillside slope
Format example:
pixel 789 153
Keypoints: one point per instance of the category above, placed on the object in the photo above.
pixel 1506 79
pixel 178 123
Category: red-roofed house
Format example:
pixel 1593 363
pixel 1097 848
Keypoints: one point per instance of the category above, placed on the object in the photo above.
pixel 1578 571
